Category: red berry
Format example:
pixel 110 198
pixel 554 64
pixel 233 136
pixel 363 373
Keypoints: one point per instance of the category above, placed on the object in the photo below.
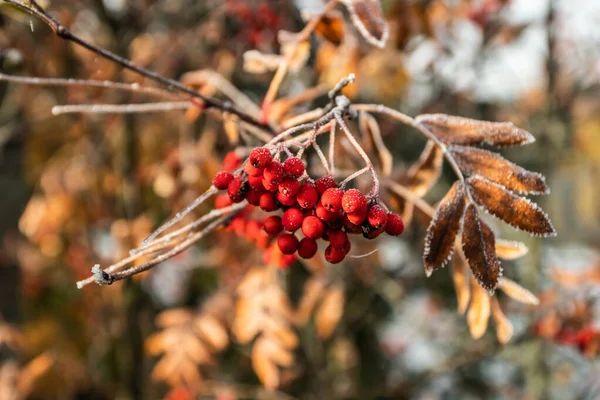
pixel 292 219
pixel 354 201
pixel 337 239
pixel 286 260
pixel 270 185
pixel 253 228
pixel 253 196
pixel 260 157
pixel 357 218
pixel 253 171
pixel 255 182
pixel 222 201
pixel 351 227
pixel 377 216
pixel 307 248
pixel 394 225
pixel 286 200
pixel 332 199
pixel 273 225
pixel 289 187
pixel 312 227
pixel 326 215
pixel 334 255
pixel 274 172
pixel 324 183
pixel 231 161
pixel 237 190
pixel 287 243
pixel 238 225
pixel 308 196
pixel 222 179
pixel 293 167
pixel 268 202
pixel 370 232
pixel 263 239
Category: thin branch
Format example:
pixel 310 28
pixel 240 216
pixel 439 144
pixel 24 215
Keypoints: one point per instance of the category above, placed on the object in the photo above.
pixel 33 8
pixel 120 108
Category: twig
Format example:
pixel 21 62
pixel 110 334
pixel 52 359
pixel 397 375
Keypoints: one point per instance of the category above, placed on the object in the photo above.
pixel 120 108
pixel 208 102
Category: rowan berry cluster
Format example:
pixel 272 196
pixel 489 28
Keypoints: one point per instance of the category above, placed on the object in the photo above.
pixel 319 208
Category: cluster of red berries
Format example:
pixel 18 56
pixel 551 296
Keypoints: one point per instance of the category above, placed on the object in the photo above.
pixel 320 210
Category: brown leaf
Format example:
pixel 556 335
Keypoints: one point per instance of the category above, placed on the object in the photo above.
pixel 517 292
pixel 212 331
pixel 495 168
pixel 465 131
pixel 331 27
pixel 478 244
pixel 461 282
pixel 425 173
pixel 265 369
pixel 479 310
pixel 510 250
pixel 368 18
pixel 313 288
pixel 504 329
pixel 439 242
pixel 330 312
pixel 516 211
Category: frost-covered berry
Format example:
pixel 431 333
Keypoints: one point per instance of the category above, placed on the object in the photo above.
pixel 326 215
pixel 274 172
pixel 324 183
pixel 357 218
pixel 377 216
pixel 354 201
pixel 273 225
pixel 370 232
pixel 287 243
pixel 289 187
pixel 260 157
pixel 286 200
pixel 307 248
pixel 332 199
pixel 292 219
pixel 312 227
pixel 255 182
pixel 334 255
pixel 252 170
pixel 253 196
pixel 308 196
pixel 222 179
pixel 394 225
pixel 237 190
pixel 293 167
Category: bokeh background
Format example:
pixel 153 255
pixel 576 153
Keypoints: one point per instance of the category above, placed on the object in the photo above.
pixel 77 190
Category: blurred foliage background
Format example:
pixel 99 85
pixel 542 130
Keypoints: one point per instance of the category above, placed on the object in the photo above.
pixel 83 189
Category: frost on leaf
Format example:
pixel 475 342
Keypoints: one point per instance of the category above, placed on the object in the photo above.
pixel 516 211
pixel 517 292
pixel 510 250
pixel 493 167
pixel 439 242
pixel 478 244
pixel 466 131
pixel 368 18
pixel 423 175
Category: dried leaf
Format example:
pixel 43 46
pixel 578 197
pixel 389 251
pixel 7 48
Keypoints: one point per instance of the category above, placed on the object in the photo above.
pixel 465 131
pixel 517 292
pixel 265 369
pixel 296 53
pixel 369 125
pixel 232 130
pixel 495 168
pixel 32 372
pixel 331 27
pixel 439 242
pixel 256 62
pixel 516 211
pixel 504 329
pixel 478 244
pixel 330 312
pixel 479 310
pixel 282 331
pixel 461 282
pixel 173 317
pixel 368 18
pixel 313 288
pixel 212 331
pixel 423 175
pixel 510 250
pixel 273 349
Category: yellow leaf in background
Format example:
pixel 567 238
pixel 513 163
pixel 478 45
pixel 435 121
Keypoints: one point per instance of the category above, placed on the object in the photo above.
pixel 479 310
